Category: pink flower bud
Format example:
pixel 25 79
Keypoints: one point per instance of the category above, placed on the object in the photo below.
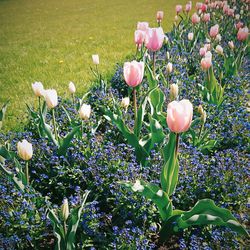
pixel 142 26
pixel 190 36
pixel 203 8
pixel 154 38
pixel 195 18
pixel 231 44
pixel 206 63
pixel 178 9
pixel 198 6
pixel 188 6
pixel 203 51
pixel 139 37
pixel 133 73
pixel 242 34
pixel 159 16
pixel 214 30
pixel 179 115
pixel 206 17
pixel 239 25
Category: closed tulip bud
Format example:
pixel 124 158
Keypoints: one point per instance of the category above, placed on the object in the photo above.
pixel 198 6
pixel 142 26
pixel 206 63
pixel 139 37
pixel 179 115
pixel 169 68
pixel 242 12
pixel 95 59
pixel 190 36
pixel 72 88
pixel 154 38
pixel 133 73
pixel 85 112
pixel 231 44
pixel 237 17
pixel 25 150
pixel 207 46
pixel 125 103
pixel 242 34
pixel 219 50
pixel 214 30
pixel 159 16
pixel 218 38
pixel 178 9
pixel 203 51
pixel 200 109
pixel 51 98
pixel 38 89
pixel 166 39
pixel 239 25
pixel 65 209
pixel 195 18
pixel 188 6
pixel 204 117
pixel 206 17
pixel 174 91
pixel 176 18
pixel 167 55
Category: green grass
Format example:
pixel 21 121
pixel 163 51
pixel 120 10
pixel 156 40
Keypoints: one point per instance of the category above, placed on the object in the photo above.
pixel 52 41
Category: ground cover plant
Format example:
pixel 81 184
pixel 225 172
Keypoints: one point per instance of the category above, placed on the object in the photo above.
pixel 155 158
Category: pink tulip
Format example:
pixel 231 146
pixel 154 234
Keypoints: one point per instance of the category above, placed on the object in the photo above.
pixel 214 30
pixel 178 9
pixel 139 37
pixel 230 12
pixel 133 73
pixel 203 51
pixel 242 34
pixel 142 26
pixel 188 6
pixel 206 17
pixel 203 7
pixel 154 38
pixel 179 115
pixel 239 25
pixel 198 6
pixel 159 16
pixel 231 44
pixel 206 62
pixel 195 18
pixel 207 46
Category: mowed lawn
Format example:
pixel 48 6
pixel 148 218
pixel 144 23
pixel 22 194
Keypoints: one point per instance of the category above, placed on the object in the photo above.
pixel 52 41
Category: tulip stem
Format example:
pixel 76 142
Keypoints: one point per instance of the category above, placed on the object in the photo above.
pixel 154 59
pixel 27 172
pixel 54 124
pixel 135 104
pixel 65 228
pixel 39 103
pixel 201 128
pixel 82 129
pixel 177 144
pixel 73 99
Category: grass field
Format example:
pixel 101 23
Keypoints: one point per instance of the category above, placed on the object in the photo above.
pixel 52 41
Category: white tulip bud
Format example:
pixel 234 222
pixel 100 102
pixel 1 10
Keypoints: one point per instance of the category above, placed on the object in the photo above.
pixel 169 68
pixel 125 102
pixel 190 36
pixel 24 150
pixel 219 49
pixel 95 59
pixel 168 55
pixel 72 88
pixel 218 38
pixel 174 91
pixel 38 88
pixel 65 209
pixel 231 44
pixel 85 111
pixel 51 98
pixel 166 39
pixel 237 16
pixel 176 18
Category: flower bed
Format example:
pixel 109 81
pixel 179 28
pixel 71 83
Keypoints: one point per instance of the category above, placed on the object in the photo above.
pixel 146 160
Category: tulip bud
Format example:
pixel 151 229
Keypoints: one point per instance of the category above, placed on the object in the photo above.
pixel 143 26
pixel 85 111
pixel 190 36
pixel 200 109
pixel 169 68
pixel 38 88
pixel 176 18
pixel 178 9
pixel 237 16
pixel 125 103
pixel 202 51
pixel 242 34
pixel 195 18
pixel 214 31
pixel 95 59
pixel 65 209
pixel 139 37
pixel 219 50
pixel 72 88
pixel 168 55
pixel 166 39
pixel 218 38
pixel 133 73
pixel 173 91
pixel 159 16
pixel 25 150
pixel 154 38
pixel 231 44
pixel 51 99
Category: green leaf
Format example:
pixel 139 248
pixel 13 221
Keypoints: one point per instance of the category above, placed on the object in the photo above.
pixel 73 223
pixel 67 114
pixel 3 112
pixel 65 142
pixel 154 193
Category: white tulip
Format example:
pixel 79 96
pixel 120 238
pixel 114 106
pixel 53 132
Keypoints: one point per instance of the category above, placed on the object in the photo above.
pixel 219 49
pixel 65 209
pixel 51 98
pixel 25 150
pixel 85 111
pixel 169 68
pixel 125 102
pixel 190 36
pixel 231 44
pixel 72 88
pixel 95 59
pixel 38 88
pixel 173 91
